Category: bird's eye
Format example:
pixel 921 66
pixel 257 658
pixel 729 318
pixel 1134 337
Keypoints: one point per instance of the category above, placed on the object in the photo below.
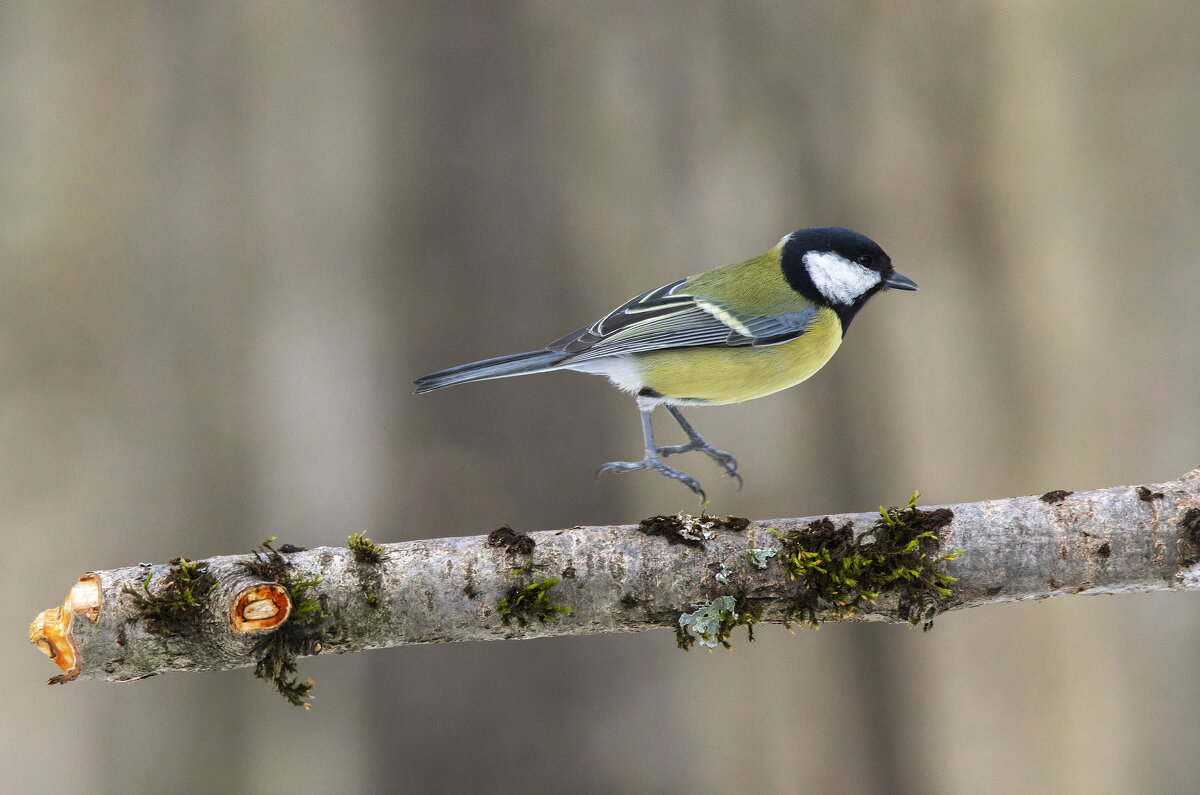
pixel 865 260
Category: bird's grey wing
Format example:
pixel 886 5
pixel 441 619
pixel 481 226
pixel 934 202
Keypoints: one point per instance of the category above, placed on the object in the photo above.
pixel 656 304
pixel 669 318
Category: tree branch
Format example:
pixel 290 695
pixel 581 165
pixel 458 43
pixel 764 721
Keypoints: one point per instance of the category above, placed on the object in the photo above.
pixel 268 608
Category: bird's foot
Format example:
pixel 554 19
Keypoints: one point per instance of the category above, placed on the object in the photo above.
pixel 726 460
pixel 654 465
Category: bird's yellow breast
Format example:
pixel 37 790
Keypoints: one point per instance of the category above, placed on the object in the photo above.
pixel 731 375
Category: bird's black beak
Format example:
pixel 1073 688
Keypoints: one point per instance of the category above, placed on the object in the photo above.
pixel 898 281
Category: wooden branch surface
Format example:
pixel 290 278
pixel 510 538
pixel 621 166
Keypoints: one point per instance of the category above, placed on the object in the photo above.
pixel 613 579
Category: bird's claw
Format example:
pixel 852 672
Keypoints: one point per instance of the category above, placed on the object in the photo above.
pixel 654 466
pixel 726 460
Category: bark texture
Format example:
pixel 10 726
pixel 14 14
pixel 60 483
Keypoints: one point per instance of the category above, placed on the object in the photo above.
pixel 613 579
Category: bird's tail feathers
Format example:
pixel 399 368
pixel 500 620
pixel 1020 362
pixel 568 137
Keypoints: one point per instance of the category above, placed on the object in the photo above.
pixel 500 367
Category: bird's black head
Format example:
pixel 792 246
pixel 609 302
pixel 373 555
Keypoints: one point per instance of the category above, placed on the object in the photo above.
pixel 838 268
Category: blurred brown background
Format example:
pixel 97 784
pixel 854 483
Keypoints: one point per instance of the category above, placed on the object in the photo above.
pixel 232 233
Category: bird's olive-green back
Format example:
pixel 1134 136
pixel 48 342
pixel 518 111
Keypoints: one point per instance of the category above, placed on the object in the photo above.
pixel 754 288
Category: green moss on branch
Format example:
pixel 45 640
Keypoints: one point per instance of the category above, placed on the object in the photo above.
pixel 841 573
pixel 178 603
pixel 276 654
pixel 531 602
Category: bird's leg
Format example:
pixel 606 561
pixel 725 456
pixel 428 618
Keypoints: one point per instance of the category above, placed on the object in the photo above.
pixel 651 460
pixel 696 442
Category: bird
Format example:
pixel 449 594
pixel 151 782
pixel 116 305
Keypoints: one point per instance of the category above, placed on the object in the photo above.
pixel 727 335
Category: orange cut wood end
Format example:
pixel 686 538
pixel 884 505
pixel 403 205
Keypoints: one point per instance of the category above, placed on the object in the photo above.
pixel 260 607
pixel 51 632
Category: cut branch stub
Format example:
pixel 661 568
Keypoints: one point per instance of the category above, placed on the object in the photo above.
pixel 53 630
pixel 125 624
pixel 260 607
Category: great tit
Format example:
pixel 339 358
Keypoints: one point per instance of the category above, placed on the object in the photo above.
pixel 734 333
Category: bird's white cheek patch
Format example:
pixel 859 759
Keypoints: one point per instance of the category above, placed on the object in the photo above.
pixel 837 278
